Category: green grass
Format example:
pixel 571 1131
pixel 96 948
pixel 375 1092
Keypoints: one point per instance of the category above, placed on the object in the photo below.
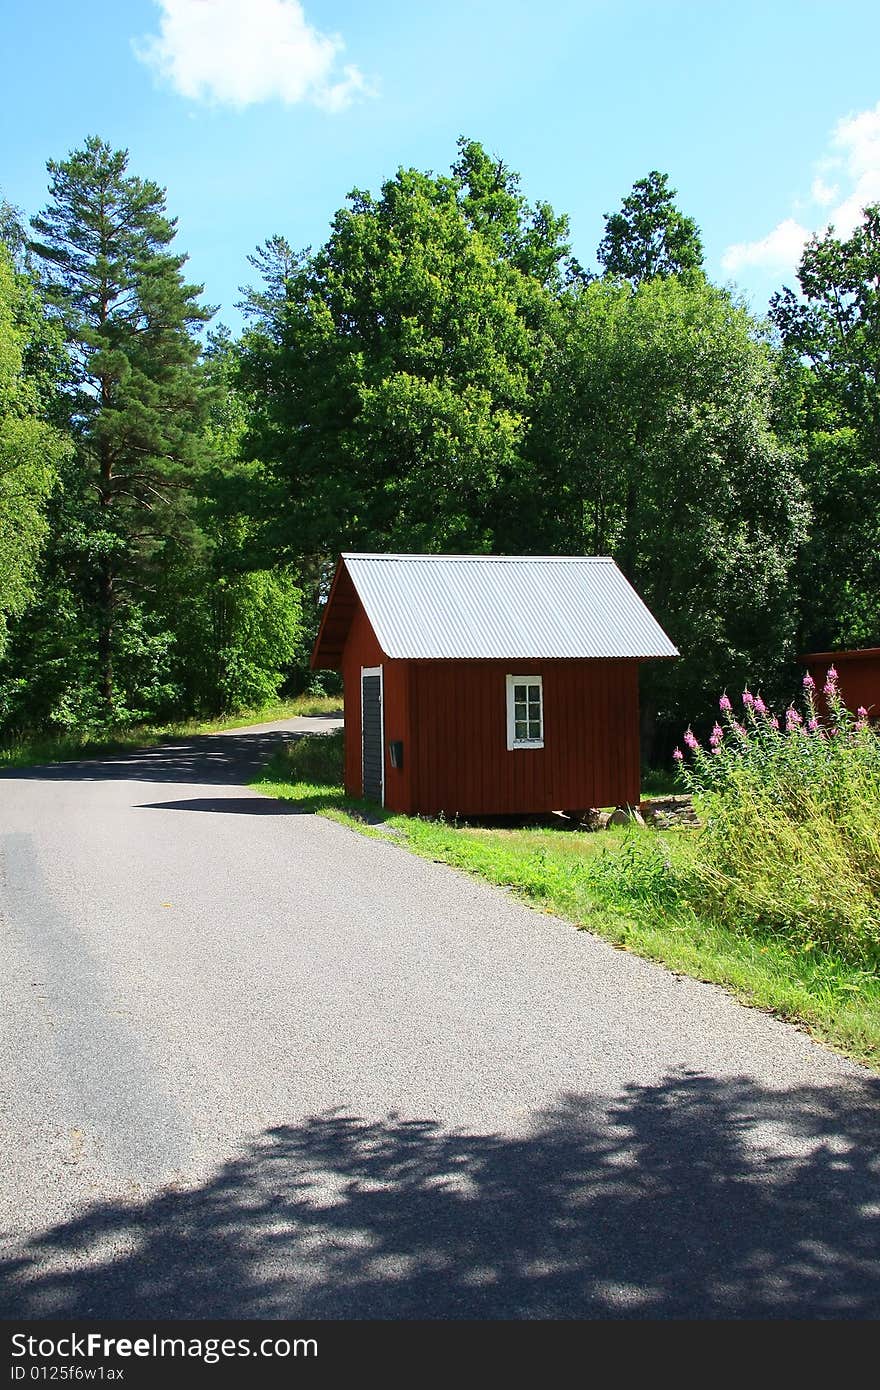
pixel 613 883
pixel 28 750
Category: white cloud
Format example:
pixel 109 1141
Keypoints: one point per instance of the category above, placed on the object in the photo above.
pixel 239 52
pixel 854 159
pixel 822 193
pixel 779 249
pixel 858 140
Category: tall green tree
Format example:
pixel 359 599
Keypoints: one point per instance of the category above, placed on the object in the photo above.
pixel 389 374
pixel 235 612
pixel 831 331
pixel 649 235
pixel 31 448
pixel 654 441
pixel 533 238
pixel 136 401
pixel 12 232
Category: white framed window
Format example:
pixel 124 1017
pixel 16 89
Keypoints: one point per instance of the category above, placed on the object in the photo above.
pixel 525 712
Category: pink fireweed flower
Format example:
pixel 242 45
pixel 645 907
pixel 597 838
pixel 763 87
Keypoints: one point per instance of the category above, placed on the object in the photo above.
pixel 792 717
pixel 830 687
pixel 760 707
pixel 809 683
pixel 678 756
pixel 739 729
pixel 716 736
pixel 716 749
pixel 724 704
pixel 861 712
pixel 813 726
pixel 774 722
pixel 691 741
pixel 748 699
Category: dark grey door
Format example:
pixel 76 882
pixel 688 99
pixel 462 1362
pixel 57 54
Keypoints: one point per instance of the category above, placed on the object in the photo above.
pixel 371 733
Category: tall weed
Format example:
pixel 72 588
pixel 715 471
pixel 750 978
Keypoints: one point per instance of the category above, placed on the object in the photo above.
pixel 791 822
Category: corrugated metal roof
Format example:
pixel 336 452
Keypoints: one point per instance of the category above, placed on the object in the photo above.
pixel 492 606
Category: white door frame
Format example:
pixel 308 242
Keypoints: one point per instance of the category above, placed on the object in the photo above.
pixel 374 671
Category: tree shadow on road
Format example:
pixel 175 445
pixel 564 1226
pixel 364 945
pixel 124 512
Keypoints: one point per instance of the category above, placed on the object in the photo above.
pixel 695 1197
pixel 210 759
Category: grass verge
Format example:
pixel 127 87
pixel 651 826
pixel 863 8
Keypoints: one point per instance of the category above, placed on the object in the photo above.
pixel 584 878
pixel 28 750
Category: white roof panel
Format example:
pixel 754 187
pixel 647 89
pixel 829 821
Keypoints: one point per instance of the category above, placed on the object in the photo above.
pixel 519 607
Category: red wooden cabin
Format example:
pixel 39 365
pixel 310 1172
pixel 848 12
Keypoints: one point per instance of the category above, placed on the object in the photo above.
pixel 859 677
pixel 488 685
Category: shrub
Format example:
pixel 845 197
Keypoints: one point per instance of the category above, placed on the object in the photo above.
pixel 314 758
pixel 791 812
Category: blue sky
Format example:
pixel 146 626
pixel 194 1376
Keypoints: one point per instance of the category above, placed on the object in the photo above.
pixel 260 115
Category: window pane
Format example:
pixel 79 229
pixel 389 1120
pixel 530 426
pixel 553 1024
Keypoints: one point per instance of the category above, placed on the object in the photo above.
pixel 526 706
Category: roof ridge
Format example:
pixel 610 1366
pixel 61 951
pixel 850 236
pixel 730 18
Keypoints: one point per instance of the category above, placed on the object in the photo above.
pixel 518 559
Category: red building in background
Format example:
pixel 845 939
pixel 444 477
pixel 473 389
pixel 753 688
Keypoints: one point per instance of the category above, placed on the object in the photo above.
pixel 858 676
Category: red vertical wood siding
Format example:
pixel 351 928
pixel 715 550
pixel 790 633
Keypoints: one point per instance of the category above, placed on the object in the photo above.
pixel 452 719
pixel 460 758
pixel 859 680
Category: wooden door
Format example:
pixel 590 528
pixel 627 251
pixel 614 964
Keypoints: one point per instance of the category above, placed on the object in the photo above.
pixel 372 734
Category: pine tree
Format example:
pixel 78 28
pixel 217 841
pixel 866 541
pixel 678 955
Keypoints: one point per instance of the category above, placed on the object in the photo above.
pixel 137 402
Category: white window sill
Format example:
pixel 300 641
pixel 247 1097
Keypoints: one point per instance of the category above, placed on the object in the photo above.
pixel 525 743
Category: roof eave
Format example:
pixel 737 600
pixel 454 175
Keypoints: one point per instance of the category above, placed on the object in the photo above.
pixel 316 661
pixel 847 654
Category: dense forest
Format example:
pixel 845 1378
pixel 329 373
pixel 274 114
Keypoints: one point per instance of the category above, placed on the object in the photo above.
pixel 441 374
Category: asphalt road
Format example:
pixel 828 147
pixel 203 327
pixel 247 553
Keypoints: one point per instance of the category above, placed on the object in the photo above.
pixel 253 1064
